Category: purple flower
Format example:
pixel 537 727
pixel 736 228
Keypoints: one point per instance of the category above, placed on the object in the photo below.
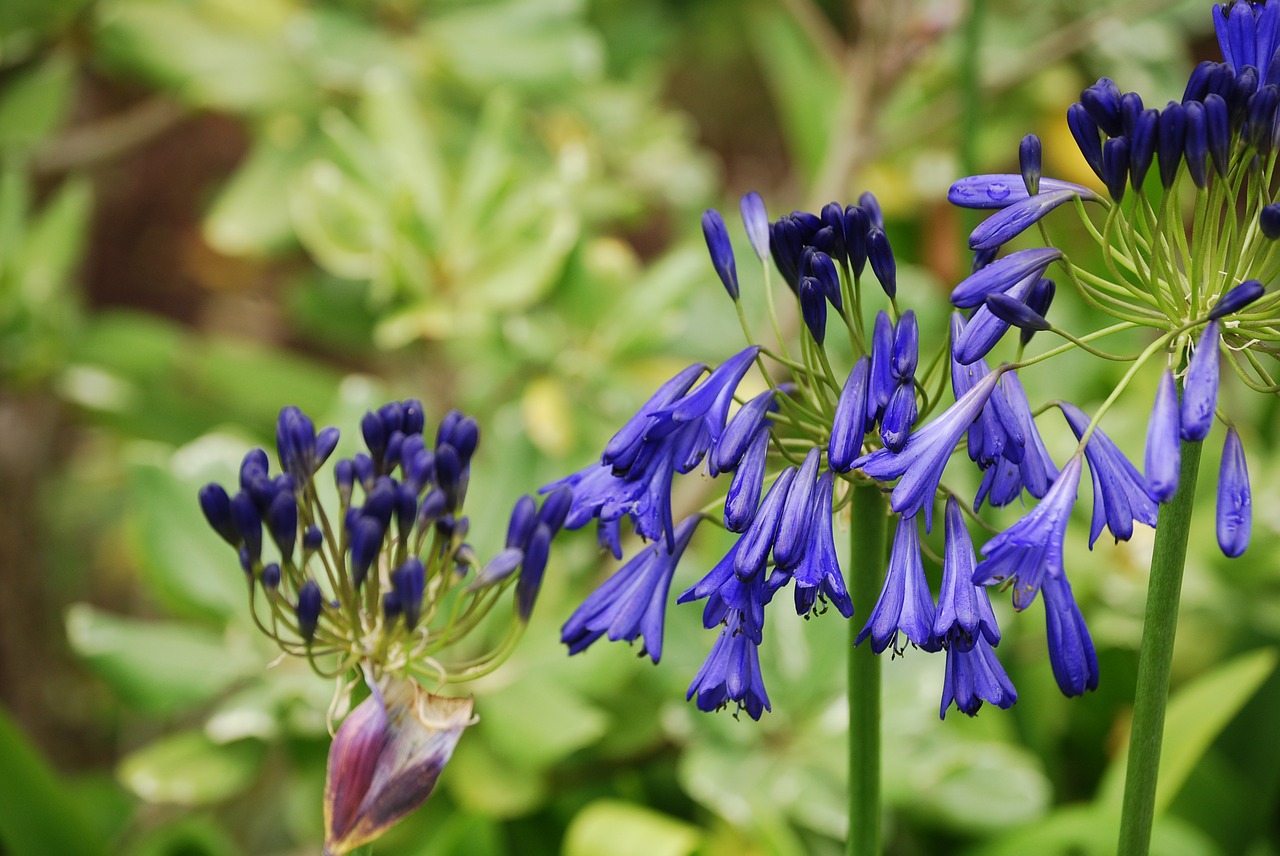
pixel 995 433
pixel 1012 220
pixel 1247 33
pixel 1120 493
pixel 817 576
pixel 797 514
pixel 1200 387
pixel 882 383
pixel 1164 453
pixel 1235 500
pixel 756 543
pixel 748 480
pixel 974 675
pixel 880 254
pixel 1102 100
pixel 1003 274
pixel 1250 290
pixel 920 464
pixel 1030 551
pixel 1007 189
pixel 1171 136
pixel 1071 653
pixel 385 761
pixel 741 431
pixel 964 611
pixel 1036 468
pixel 985 327
pixel 632 603
pixel 848 427
pixel 1087 135
pixel 713 229
pixel 899 417
pixel 1030 161
pixel 731 673
pixel 709 401
pixel 756 222
pixel 905 604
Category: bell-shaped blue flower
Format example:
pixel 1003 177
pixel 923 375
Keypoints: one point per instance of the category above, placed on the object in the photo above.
pixel 1235 500
pixel 1030 551
pixel 632 603
pixel 817 576
pixel 964 611
pixel 1164 452
pixel 974 675
pixel 797 514
pixel 731 673
pixel 905 605
pixel 920 464
pixel 899 417
pixel 757 542
pixel 1071 652
pixel 1120 493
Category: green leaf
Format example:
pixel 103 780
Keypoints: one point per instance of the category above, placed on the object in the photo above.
pixel 158 667
pixel 37 812
pixel 190 769
pixel 33 103
pixel 536 723
pixel 614 828
pixel 1196 715
pixel 1089 831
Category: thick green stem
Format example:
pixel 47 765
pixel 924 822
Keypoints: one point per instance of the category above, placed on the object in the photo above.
pixel 866 574
pixel 1155 657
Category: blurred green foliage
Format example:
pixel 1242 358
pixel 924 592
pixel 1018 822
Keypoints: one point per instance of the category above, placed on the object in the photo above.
pixel 493 205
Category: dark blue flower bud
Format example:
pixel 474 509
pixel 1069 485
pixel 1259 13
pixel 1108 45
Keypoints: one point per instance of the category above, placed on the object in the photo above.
pixel 466 438
pixel 310 603
pixel 497 569
pixel 248 523
pixel 1198 82
pixel 406 508
pixel 1142 146
pixel 882 383
pixel 1164 452
pixel 391 455
pixel 833 219
pixel 216 506
pixel 748 480
pixel 856 226
pixel 1235 499
pixel 880 254
pixel 392 416
pixel 1171 136
pixel 875 216
pixel 823 269
pixel 813 307
pixel 848 427
pixel 312 539
pixel 899 417
pixel 296 442
pixel 432 508
pixel 1038 301
pixel 1218 133
pixel 1269 223
pixel 535 563
pixel 1010 310
pixel 906 347
pixel 409 584
pixel 1115 166
pixel 414 416
pixel 1002 275
pixel 366 542
pixel 982 258
pixel 807 223
pixel 390 608
pixel 380 504
pixel 786 245
pixel 448 472
pixel 375 434
pixel 756 222
pixel 365 470
pixel 1130 110
pixel 1102 100
pixel 1087 136
pixel 1242 295
pixel 326 442
pixel 1242 89
pixel 1221 81
pixel 824 240
pixel 282 521
pixel 1197 142
pixel 1261 117
pixel 271 577
pixel 254 466
pixel 524 514
pixel 1030 157
pixel 555 508
pixel 344 476
pixel 713 229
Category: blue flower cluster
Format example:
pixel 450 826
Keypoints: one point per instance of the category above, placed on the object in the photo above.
pixel 1202 298
pixel 370 589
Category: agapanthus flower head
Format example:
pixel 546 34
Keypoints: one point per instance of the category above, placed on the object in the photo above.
pixel 731 673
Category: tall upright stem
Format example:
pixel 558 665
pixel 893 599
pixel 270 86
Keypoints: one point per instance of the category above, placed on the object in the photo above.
pixel 1155 657
pixel 866 573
